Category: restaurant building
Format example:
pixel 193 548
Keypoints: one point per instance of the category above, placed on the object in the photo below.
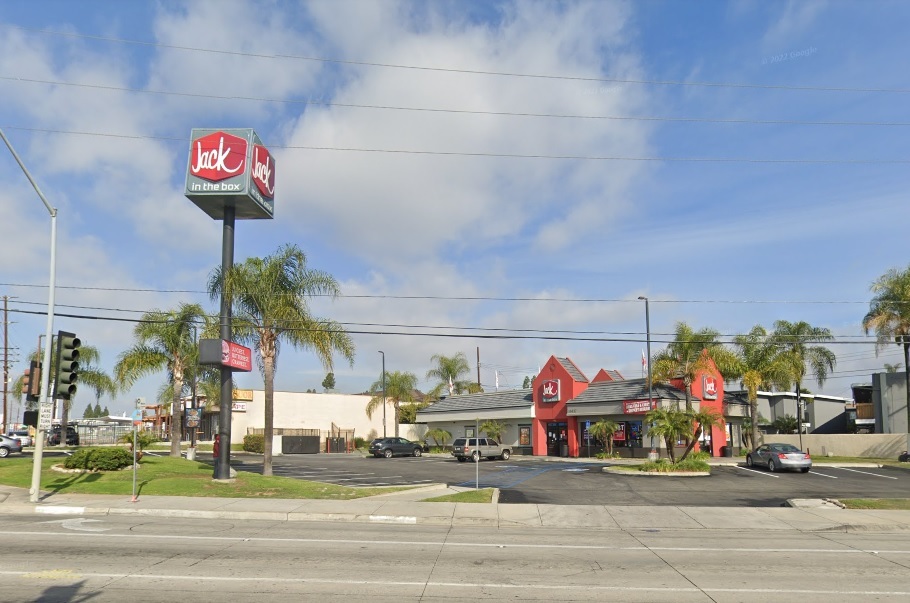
pixel 553 417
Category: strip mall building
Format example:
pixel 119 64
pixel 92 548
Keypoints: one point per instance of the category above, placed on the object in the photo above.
pixel 552 418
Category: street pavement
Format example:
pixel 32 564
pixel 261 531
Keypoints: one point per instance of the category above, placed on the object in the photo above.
pixel 408 507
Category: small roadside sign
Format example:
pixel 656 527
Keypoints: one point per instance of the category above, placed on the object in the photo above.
pixel 46 413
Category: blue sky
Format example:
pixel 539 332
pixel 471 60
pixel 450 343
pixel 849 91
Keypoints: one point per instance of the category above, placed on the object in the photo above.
pixel 722 219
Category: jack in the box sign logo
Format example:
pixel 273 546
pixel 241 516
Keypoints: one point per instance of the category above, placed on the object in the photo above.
pixel 263 171
pixel 709 387
pixel 218 156
pixel 550 390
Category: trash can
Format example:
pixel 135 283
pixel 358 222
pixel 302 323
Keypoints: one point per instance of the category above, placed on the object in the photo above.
pixel 728 451
pixel 563 449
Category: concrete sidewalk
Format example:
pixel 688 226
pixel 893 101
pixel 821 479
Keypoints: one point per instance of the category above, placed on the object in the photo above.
pixel 407 508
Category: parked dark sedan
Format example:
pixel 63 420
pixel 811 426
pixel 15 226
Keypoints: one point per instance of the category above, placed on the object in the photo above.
pixel 9 445
pixel 389 447
pixel 72 436
pixel 780 456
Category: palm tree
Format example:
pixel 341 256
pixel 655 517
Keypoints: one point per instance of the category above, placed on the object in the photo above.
pixel 399 387
pixel 164 340
pixel 794 340
pixel 449 369
pixel 889 317
pixel 603 431
pixel 269 298
pixel 704 418
pixel 671 425
pixel 440 436
pixel 761 366
pixel 494 429
pixel 690 354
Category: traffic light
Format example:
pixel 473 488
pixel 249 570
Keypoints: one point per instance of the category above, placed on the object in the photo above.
pixel 31 382
pixel 67 364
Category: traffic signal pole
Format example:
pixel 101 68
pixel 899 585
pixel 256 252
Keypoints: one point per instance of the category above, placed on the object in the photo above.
pixel 35 490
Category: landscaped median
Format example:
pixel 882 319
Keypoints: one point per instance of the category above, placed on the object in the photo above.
pixel 690 467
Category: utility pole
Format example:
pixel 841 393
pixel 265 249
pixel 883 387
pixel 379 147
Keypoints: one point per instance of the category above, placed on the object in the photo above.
pixel 478 366
pixel 5 360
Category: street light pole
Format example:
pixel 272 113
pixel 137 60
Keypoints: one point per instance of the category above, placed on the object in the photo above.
pixel 648 339
pixel 383 392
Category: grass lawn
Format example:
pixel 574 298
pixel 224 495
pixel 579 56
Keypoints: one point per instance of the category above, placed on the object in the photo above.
pixel 166 476
pixel 484 495
pixel 896 504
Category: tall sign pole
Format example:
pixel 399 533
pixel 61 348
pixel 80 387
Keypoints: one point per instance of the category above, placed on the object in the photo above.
pixel 46 402
pixel 230 176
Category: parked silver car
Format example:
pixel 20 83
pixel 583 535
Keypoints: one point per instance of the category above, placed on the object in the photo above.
pixel 779 456
pixel 9 445
pixel 475 448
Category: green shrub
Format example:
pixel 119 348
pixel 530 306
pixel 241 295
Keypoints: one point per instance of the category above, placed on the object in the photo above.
pixel 701 455
pixel 360 443
pixel 665 466
pixel 254 443
pixel 99 459
pixel 603 454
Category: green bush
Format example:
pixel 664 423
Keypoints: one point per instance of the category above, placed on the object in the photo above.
pixel 99 459
pixel 360 443
pixel 665 466
pixel 254 443
pixel 701 455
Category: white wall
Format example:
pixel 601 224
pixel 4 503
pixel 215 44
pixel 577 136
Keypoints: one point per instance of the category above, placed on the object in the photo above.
pixel 868 445
pixel 297 410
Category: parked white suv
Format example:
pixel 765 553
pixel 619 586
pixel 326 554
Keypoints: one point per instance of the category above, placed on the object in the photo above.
pixel 475 448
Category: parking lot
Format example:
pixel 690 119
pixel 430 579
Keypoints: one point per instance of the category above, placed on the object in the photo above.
pixel 563 482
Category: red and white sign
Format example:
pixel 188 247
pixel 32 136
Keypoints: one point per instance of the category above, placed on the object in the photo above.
pixel 236 356
pixel 709 387
pixel 263 171
pixel 218 156
pixel 637 407
pixel 550 390
pixel 620 434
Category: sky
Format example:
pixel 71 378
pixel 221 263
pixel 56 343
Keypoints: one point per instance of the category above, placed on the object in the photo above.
pixel 502 179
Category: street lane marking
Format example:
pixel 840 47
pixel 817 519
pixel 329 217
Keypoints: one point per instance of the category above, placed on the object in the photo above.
pixel 866 472
pixel 758 472
pixel 196 576
pixel 822 474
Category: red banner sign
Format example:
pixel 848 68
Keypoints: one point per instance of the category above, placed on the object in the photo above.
pixel 637 407
pixel 236 356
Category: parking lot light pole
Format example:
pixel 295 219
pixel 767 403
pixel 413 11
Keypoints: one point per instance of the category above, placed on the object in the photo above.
pixel 383 392
pixel 648 339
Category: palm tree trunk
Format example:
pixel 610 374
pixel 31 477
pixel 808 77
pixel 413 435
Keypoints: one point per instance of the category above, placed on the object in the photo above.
pixel 397 406
pixel 176 415
pixel 268 369
pixel 753 406
pixel 691 445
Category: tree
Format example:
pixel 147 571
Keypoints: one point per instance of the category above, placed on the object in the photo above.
pixel 399 387
pixel 892 368
pixel 761 366
pixel 748 432
pixel 105 412
pixel 603 431
pixel 526 384
pixel 328 383
pixel 794 341
pixel 671 425
pixel 702 419
pixel 494 429
pixel 164 340
pixel 439 435
pixel 88 413
pixel 269 297
pixel 449 370
pixel 96 412
pixel 785 424
pixel 889 317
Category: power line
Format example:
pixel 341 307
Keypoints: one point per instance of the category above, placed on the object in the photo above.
pixel 307 102
pixel 480 154
pixel 471 298
pixel 460 70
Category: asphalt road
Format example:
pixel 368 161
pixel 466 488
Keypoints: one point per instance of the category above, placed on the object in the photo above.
pixel 524 480
pixel 150 559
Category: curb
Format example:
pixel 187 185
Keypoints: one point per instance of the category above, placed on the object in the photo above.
pixel 616 471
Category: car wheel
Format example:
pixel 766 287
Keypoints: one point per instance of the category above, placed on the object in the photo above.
pixel 461 459
pixel 771 467
pixel 475 456
pixel 804 470
pixel 4 452
pixel 749 462
pixel 505 455
pixel 418 452
pixel 388 453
